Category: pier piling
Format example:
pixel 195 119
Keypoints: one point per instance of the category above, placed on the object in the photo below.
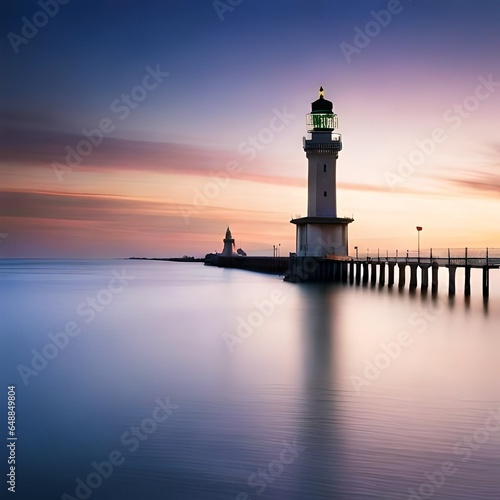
pixel 374 274
pixel 467 281
pixel 358 273
pixel 391 266
pixel 425 276
pixel 451 284
pixel 343 272
pixel 381 279
pixel 365 273
pixel 402 275
pixel 486 282
pixel 413 276
pixel 435 271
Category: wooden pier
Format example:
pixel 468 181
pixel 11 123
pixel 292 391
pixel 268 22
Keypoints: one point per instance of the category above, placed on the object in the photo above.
pixel 385 270
pixel 379 270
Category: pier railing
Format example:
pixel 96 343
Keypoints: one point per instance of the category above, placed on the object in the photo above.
pixel 463 257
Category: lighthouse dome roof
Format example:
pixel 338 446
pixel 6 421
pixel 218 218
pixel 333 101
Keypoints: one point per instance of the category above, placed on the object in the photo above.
pixel 322 105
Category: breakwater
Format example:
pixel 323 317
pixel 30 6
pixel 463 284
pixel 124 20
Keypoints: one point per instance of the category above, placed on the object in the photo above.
pixel 270 265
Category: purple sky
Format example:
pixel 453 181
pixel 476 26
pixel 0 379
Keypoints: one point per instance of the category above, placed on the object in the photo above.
pixel 178 89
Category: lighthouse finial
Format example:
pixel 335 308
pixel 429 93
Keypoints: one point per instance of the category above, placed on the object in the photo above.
pixel 321 92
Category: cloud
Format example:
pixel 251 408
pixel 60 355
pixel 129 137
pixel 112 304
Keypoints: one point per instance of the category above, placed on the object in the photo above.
pixel 21 147
pixel 373 188
pixel 74 206
pixel 43 223
pixel 44 147
pixel 483 178
pixel 483 183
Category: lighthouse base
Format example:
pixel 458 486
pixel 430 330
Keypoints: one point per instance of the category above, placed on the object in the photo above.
pixel 317 269
pixel 324 237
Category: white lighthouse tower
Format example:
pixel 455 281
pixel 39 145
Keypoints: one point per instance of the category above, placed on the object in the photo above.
pixel 322 233
pixel 228 244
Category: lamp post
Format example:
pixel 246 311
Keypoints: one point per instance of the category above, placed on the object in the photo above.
pixel 419 228
pixel 356 248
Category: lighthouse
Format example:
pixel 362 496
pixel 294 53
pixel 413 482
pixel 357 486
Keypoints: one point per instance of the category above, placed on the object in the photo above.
pixel 322 233
pixel 228 244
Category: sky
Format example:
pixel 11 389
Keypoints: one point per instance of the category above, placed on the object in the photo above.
pixel 145 128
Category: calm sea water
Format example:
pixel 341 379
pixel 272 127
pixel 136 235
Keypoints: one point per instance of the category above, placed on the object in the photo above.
pixel 179 381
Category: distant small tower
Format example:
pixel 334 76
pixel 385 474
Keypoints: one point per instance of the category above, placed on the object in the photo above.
pixel 322 233
pixel 228 244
